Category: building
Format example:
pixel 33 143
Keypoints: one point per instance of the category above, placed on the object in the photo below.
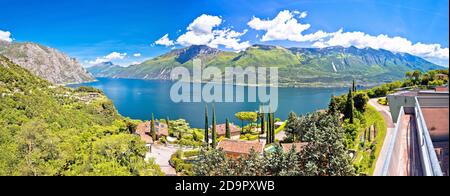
pixel 221 130
pixel 143 130
pixel 418 146
pixel 442 76
pixel 298 147
pixel 236 148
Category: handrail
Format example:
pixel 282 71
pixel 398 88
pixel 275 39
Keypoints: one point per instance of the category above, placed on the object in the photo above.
pixel 390 151
pixel 430 161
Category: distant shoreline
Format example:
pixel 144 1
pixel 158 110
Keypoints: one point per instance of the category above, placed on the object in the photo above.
pixel 282 85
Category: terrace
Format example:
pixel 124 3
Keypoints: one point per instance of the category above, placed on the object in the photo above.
pixel 419 144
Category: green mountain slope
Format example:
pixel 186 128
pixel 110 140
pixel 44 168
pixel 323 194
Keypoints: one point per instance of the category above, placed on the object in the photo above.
pixel 49 130
pixel 334 66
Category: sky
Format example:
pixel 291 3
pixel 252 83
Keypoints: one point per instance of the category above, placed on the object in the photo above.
pixel 131 31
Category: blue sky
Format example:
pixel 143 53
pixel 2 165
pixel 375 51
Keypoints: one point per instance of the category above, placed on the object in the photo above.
pixel 91 30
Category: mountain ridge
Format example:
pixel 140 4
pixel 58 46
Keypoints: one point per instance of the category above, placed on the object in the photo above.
pixel 46 62
pixel 325 67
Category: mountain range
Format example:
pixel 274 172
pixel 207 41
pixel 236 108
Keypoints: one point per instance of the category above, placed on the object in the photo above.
pixel 326 67
pixel 48 63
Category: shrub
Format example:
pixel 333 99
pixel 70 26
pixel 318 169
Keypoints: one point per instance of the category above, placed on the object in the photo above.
pixel 191 153
pixel 87 89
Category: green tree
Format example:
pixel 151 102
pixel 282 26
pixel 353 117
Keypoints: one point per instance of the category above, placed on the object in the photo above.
pixel 271 129
pixel 325 154
pixel 409 75
pixel 333 107
pixel 206 126
pixel 227 129
pixel 263 121
pixel 211 163
pixel 246 116
pixel 360 101
pixel 354 88
pixel 349 106
pixel 292 127
pixel 168 123
pixel 416 76
pixel 153 128
pixel 214 128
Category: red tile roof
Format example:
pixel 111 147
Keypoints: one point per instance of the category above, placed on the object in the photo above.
pixel 441 89
pixel 221 129
pixel 240 147
pixel 143 130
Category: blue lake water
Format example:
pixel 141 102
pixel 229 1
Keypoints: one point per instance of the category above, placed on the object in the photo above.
pixel 138 99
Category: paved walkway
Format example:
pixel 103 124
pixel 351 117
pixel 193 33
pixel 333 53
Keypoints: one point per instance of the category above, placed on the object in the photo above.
pixel 385 111
pixel 409 160
pixel 162 155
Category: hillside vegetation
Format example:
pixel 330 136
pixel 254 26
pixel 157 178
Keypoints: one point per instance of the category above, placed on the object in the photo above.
pixel 49 130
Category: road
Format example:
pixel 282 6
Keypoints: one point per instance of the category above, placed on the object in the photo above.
pixel 385 111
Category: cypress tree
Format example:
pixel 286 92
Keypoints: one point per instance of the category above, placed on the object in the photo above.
pixel 227 129
pixel 268 129
pixel 354 86
pixel 263 122
pixel 206 126
pixel 213 132
pixel 167 122
pixel 349 106
pixel 152 128
pixel 273 128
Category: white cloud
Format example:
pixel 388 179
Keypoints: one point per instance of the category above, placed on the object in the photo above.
pixel 230 39
pixel 165 41
pixel 286 27
pixel 5 36
pixel 137 55
pixel 303 15
pixel 202 32
pixel 204 24
pixel 433 52
pixel 108 58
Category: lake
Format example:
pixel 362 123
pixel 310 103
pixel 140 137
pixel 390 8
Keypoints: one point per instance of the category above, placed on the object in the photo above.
pixel 138 99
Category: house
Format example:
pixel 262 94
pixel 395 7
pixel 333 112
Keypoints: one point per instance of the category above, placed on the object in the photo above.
pixel 221 130
pixel 236 148
pixel 143 130
pixel 441 76
pixel 298 147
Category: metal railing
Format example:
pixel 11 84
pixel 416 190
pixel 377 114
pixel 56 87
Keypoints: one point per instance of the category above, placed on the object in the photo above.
pixel 430 162
pixel 390 164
